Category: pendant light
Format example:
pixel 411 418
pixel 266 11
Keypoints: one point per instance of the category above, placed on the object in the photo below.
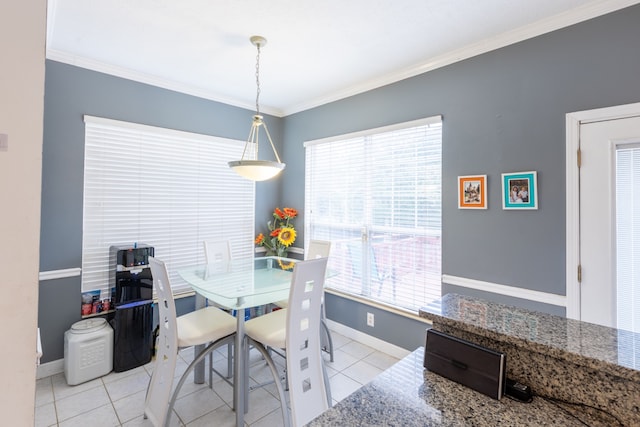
pixel 249 166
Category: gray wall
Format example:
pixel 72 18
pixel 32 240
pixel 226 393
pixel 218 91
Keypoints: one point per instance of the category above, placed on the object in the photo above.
pixel 388 326
pixel 70 93
pixel 503 111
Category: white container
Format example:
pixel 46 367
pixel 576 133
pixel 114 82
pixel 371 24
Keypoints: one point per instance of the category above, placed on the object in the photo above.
pixel 88 350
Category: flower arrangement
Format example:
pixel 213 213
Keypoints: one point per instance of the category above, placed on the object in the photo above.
pixel 281 232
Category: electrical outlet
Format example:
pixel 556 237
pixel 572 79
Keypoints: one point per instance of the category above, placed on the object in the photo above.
pixel 370 319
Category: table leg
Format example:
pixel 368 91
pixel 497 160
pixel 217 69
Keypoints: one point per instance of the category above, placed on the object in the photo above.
pixel 240 377
pixel 198 370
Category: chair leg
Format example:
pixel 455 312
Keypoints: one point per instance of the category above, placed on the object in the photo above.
pixel 327 332
pixel 144 416
pixel 226 377
pixel 199 358
pixel 327 385
pixel 274 371
pixel 211 370
pixel 329 348
pixel 229 360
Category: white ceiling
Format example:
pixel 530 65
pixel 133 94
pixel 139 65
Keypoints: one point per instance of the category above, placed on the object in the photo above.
pixel 317 51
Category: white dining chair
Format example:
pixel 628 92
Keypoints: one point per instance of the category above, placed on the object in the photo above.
pixel 318 249
pixel 208 326
pixel 218 251
pixel 296 329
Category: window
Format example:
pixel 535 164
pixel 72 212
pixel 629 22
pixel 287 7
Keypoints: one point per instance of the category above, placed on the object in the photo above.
pixel 165 188
pixel 376 195
pixel 628 236
pixel 628 252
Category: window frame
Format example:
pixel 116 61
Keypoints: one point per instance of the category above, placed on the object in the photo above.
pixel 416 237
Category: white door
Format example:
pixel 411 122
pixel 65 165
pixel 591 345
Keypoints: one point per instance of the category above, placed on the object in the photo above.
pixel 601 143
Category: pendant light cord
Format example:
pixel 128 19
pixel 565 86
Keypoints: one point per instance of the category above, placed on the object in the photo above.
pixel 258 80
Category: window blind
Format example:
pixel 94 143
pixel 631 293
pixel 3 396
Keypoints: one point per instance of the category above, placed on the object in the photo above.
pixel 168 189
pixel 628 237
pixel 376 195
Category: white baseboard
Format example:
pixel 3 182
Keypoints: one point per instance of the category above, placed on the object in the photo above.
pixel 50 368
pixel 57 366
pixel 378 344
pixel 510 291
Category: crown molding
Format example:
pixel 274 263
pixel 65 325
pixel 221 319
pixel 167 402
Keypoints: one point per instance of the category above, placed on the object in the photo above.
pixel 126 73
pixel 556 22
pixel 574 16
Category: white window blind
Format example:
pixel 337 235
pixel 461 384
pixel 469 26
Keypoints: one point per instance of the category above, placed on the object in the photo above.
pixel 376 195
pixel 628 237
pixel 165 188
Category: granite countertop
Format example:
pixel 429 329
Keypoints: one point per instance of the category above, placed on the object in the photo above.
pixel 408 395
pixel 586 344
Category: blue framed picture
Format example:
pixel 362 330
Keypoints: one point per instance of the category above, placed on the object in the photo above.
pixel 520 190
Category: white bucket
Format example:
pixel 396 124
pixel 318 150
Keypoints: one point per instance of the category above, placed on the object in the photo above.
pixel 88 350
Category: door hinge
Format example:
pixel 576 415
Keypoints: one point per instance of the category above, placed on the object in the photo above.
pixel 579 273
pixel 579 155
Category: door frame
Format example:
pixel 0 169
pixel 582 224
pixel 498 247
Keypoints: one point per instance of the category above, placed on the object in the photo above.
pixel 573 122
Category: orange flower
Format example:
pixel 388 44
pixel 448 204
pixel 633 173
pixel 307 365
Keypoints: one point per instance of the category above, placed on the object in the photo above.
pixel 290 212
pixel 280 234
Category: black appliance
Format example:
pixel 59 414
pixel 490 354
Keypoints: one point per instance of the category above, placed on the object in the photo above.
pixel 132 320
pixel 464 362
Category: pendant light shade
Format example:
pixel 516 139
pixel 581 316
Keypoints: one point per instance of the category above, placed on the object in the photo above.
pixel 249 166
pixel 256 170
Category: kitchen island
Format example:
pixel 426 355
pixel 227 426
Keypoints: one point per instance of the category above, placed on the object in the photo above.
pixel 580 373
pixel 593 367
pixel 407 395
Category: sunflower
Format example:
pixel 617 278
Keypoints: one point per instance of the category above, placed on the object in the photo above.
pixel 281 232
pixel 287 236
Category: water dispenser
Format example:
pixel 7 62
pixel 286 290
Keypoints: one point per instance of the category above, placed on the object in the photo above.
pixel 132 320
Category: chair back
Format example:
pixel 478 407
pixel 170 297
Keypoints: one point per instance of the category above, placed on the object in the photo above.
pixel 318 249
pixel 218 251
pixel 159 391
pixel 305 367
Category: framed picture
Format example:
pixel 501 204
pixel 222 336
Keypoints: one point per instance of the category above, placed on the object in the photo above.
pixel 519 190
pixel 472 192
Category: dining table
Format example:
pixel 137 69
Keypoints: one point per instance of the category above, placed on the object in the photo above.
pixel 238 285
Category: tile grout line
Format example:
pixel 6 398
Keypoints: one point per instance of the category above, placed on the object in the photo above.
pixel 345 370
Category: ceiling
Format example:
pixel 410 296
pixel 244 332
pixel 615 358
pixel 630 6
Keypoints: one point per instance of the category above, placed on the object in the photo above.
pixel 317 52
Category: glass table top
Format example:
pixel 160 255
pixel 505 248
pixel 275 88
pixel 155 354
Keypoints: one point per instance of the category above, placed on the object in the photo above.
pixel 242 283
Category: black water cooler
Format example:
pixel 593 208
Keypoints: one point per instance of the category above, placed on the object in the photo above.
pixel 132 320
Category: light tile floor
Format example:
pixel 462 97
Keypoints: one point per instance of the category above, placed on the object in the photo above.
pixel 117 399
